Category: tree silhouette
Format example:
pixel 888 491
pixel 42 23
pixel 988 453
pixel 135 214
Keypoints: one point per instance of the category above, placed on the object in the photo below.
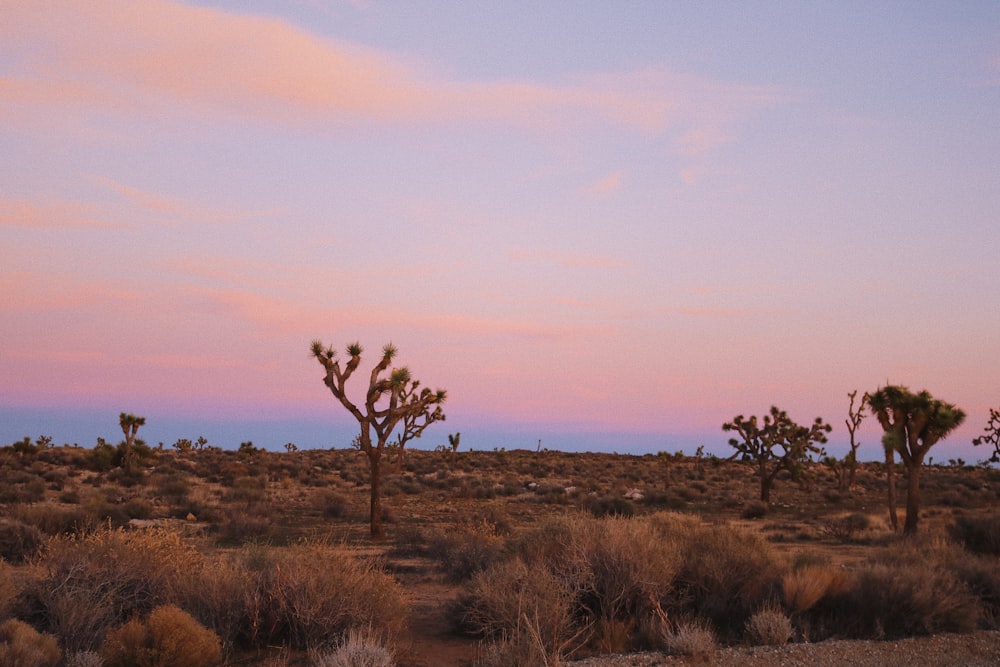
pixel 991 435
pixel 779 444
pixel 392 397
pixel 130 426
pixel 912 424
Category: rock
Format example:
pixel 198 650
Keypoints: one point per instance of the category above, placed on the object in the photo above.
pixel 191 517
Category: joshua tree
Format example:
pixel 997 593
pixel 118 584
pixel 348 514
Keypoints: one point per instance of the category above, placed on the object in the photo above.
pixel 991 435
pixel 454 440
pixel 780 444
pixel 414 424
pixel 846 470
pixel 392 397
pixel 853 421
pixel 130 426
pixel 912 424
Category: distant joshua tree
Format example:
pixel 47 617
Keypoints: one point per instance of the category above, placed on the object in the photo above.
pixel 991 435
pixel 130 426
pixel 454 441
pixel 912 424
pixel 392 397
pixel 776 443
pixel 846 470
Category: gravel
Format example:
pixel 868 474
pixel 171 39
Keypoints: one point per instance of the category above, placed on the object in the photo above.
pixel 979 649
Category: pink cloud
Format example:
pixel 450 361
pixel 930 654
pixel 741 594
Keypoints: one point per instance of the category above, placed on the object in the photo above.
pixel 146 52
pixel 52 215
pixel 568 260
pixel 605 186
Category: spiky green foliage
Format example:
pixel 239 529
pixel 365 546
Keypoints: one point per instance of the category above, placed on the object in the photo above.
pixel 776 443
pixel 912 424
pixel 991 435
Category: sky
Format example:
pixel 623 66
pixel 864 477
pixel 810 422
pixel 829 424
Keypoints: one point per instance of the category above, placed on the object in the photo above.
pixel 606 226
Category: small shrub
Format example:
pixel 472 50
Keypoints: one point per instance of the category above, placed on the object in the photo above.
pixel 170 637
pixel 977 534
pixel 609 506
pixel 23 646
pixel 84 659
pixel 693 639
pixel 769 627
pixel 754 510
pixel 463 552
pixel 18 541
pixel 847 528
pixel 359 649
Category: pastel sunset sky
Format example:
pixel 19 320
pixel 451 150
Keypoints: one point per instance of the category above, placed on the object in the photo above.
pixel 606 225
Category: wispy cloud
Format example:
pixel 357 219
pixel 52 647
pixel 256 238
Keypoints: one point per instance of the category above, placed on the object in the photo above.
pixel 568 260
pixel 151 52
pixel 53 215
pixel 605 186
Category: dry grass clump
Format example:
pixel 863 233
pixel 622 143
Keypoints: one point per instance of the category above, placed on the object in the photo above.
pixel 23 646
pixel 803 588
pixel 360 648
pixel 169 637
pixel 769 627
pixel 690 638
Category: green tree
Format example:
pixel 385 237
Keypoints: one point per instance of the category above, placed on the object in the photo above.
pixel 392 397
pixel 991 435
pixel 912 424
pixel 776 443
pixel 130 426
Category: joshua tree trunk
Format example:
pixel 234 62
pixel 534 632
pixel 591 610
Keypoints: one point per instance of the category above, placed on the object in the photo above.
pixel 890 478
pixel 374 461
pixel 912 498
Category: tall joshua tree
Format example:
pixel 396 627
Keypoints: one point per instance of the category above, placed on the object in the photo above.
pixel 912 424
pixel 392 397
pixel 130 426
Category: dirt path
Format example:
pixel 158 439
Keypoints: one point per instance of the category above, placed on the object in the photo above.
pixel 430 639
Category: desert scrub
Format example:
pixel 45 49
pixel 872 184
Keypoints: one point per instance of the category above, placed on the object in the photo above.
pixel 308 594
pixel 692 639
pixel 169 637
pixel 769 627
pixel 85 585
pixel 725 575
pixel 977 534
pixel 465 550
pixel 18 541
pixel 573 581
pixel 23 646
pixel 917 587
pixel 360 648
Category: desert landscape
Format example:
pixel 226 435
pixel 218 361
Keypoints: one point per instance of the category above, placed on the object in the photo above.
pixel 200 555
